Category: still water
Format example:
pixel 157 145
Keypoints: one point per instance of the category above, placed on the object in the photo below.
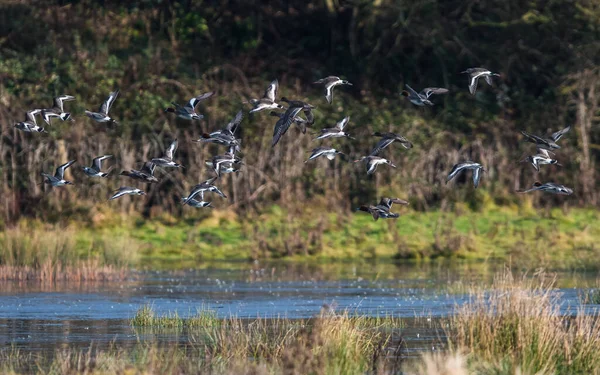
pixel 36 317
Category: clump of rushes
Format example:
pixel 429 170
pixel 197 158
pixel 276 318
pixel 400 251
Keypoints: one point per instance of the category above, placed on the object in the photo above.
pixel 519 323
pixel 147 317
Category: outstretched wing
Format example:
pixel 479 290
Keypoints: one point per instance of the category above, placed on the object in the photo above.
pixel 121 191
pixel 170 152
pixel 310 118
pixel 97 162
pixel 271 92
pixel 473 83
pixel 60 171
pixel 58 101
pixel 31 115
pixel 558 135
pixel 283 124
pixel 476 176
pixel 342 124
pixel 411 91
pixel 105 107
pixel 427 92
pixel 455 171
pixel 383 143
pixel 233 124
pixel 329 93
pixel 148 168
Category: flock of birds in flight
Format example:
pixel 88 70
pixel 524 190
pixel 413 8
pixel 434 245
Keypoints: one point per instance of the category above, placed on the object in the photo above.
pixel 229 161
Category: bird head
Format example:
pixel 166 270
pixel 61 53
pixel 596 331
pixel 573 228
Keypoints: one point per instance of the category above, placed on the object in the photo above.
pixel 169 109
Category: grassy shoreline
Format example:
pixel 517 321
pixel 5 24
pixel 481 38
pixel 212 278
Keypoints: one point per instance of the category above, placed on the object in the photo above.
pixel 550 239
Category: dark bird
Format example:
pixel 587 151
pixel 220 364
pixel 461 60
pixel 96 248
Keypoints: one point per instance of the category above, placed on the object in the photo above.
pixel 102 114
pixel 283 124
pixel 329 83
pixel 299 121
pixel 188 111
pixel 96 169
pixel 387 139
pixel 268 99
pixel 306 109
pixel 468 165
pixel 146 174
pixel 59 177
pixel 422 98
pixel 547 143
pixel 382 210
pixel 475 74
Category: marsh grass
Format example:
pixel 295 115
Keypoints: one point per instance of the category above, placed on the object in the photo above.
pixel 54 254
pixel 518 323
pixel 147 317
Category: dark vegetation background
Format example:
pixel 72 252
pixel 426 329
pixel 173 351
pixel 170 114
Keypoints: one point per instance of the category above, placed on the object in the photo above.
pixel 156 52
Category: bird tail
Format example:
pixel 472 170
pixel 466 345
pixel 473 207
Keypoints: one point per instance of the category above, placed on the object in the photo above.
pixel 65 116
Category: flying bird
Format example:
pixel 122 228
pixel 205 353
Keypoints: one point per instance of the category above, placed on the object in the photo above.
pixel 30 125
pixel 283 124
pixel 329 83
pixel 299 121
pixel 382 210
pixel 188 111
pixel 124 190
pixel 203 187
pixel 58 109
pixel 167 160
pixel 422 98
pixel 146 174
pixel 336 132
pixel 328 152
pixel 59 177
pixel 387 139
pixel 102 114
pixel 468 165
pixel 372 162
pixel 549 187
pixel 542 157
pixel 268 99
pixel 96 169
pixel 475 74
pixel 547 143
pixel 306 109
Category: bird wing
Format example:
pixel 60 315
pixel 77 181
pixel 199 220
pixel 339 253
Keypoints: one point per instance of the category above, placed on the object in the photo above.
pixel 474 79
pixel 31 115
pixel 58 101
pixel 310 118
pixel 97 162
pixel 342 124
pixel 271 92
pixel 194 101
pixel 383 143
pixel 455 171
pixel 544 152
pixel 121 191
pixel 534 138
pixel 283 124
pixel 105 107
pixel 412 92
pixel 329 93
pixel 60 171
pixel 387 202
pixel 148 168
pixel 398 201
pixel 427 92
pixel 371 166
pixel 476 176
pixel 170 152
pixel 488 79
pixel 558 135
pixel 233 124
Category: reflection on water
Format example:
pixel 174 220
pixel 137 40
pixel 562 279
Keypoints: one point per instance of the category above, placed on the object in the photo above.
pixel 39 317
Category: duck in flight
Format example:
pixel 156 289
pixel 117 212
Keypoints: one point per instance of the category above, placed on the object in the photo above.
pixel 102 114
pixel 475 74
pixel 329 83
pixel 126 190
pixel 547 143
pixel 58 109
pixel 336 132
pixel 299 121
pixel 422 98
pixel 188 111
pixel 96 169
pixel 383 209
pixel 196 203
pixel 30 125
pixel 203 187
pixel 268 99
pixel 226 136
pixel 167 160
pixel 328 152
pixel 541 158
pixel 146 174
pixel 59 177
pixel 387 139
pixel 468 165
pixel 306 109
pixel 286 119
pixel 225 160
pixel 549 187
pixel 372 162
